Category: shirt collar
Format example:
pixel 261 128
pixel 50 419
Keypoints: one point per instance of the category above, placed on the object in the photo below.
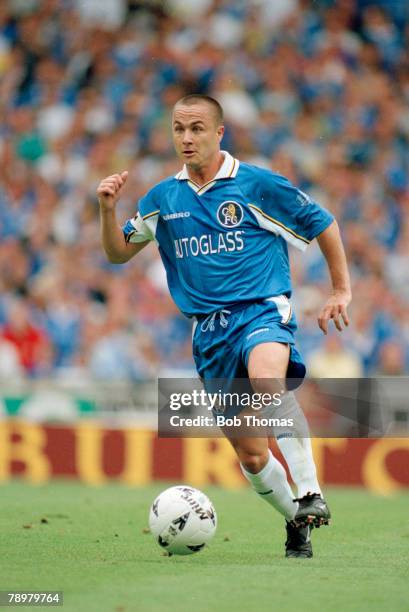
pixel 228 169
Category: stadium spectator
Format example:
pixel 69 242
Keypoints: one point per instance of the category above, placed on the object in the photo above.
pixel 333 360
pixel 10 366
pixel 317 91
pixel 29 340
pixel 392 359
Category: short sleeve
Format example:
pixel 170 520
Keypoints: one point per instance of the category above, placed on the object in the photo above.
pixel 136 230
pixel 142 226
pixel 289 212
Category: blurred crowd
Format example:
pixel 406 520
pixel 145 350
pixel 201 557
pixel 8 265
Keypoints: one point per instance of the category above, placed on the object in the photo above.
pixel 316 90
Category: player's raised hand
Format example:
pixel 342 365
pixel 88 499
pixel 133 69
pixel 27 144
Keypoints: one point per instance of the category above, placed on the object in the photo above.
pixel 109 190
pixel 335 309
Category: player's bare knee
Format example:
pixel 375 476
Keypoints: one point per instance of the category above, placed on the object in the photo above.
pixel 253 462
pixel 267 384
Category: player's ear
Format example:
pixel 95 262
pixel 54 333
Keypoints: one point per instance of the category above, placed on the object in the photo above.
pixel 220 132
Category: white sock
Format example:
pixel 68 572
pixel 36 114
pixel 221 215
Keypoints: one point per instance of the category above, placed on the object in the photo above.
pixel 295 446
pixel 272 486
pixel 298 455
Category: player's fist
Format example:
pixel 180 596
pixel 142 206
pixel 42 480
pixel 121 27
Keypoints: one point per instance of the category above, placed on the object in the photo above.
pixel 109 190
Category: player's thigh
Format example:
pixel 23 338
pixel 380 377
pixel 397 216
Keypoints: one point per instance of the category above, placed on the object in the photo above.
pixel 267 366
pixel 268 360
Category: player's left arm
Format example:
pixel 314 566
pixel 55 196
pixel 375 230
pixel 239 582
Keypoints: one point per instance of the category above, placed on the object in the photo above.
pixel 291 213
pixel 335 308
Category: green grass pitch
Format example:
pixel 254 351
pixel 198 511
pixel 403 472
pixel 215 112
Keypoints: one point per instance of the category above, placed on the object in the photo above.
pixel 89 542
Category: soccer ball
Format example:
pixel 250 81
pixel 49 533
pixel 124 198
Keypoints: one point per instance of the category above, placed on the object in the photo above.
pixel 182 520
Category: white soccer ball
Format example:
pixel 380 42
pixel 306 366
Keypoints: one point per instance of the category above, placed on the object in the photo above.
pixel 182 520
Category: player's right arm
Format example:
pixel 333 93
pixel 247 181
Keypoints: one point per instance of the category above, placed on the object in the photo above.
pixel 117 249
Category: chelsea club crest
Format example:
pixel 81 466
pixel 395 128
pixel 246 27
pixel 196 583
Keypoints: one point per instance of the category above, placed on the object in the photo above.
pixel 230 213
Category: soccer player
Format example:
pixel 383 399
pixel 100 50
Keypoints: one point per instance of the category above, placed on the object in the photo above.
pixel 222 227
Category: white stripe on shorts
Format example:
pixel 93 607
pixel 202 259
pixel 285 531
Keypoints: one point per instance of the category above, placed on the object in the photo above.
pixel 194 326
pixel 283 306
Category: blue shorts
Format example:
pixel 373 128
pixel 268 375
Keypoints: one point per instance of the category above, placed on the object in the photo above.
pixel 222 341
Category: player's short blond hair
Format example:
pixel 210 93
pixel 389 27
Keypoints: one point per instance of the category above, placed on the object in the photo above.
pixel 197 99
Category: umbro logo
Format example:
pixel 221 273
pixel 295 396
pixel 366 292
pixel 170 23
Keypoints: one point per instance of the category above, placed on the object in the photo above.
pixel 176 215
pixel 302 198
pixel 258 331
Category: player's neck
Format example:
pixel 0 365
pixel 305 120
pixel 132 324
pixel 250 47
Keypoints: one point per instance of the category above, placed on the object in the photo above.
pixel 205 174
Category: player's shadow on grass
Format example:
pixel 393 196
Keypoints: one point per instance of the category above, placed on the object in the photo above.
pixel 219 557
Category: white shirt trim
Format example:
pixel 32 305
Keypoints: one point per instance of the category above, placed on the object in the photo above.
pixel 228 169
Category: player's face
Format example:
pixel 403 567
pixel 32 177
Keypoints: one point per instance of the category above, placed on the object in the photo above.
pixel 196 134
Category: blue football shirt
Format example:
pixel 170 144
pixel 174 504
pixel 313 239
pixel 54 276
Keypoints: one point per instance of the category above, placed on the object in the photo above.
pixel 225 242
